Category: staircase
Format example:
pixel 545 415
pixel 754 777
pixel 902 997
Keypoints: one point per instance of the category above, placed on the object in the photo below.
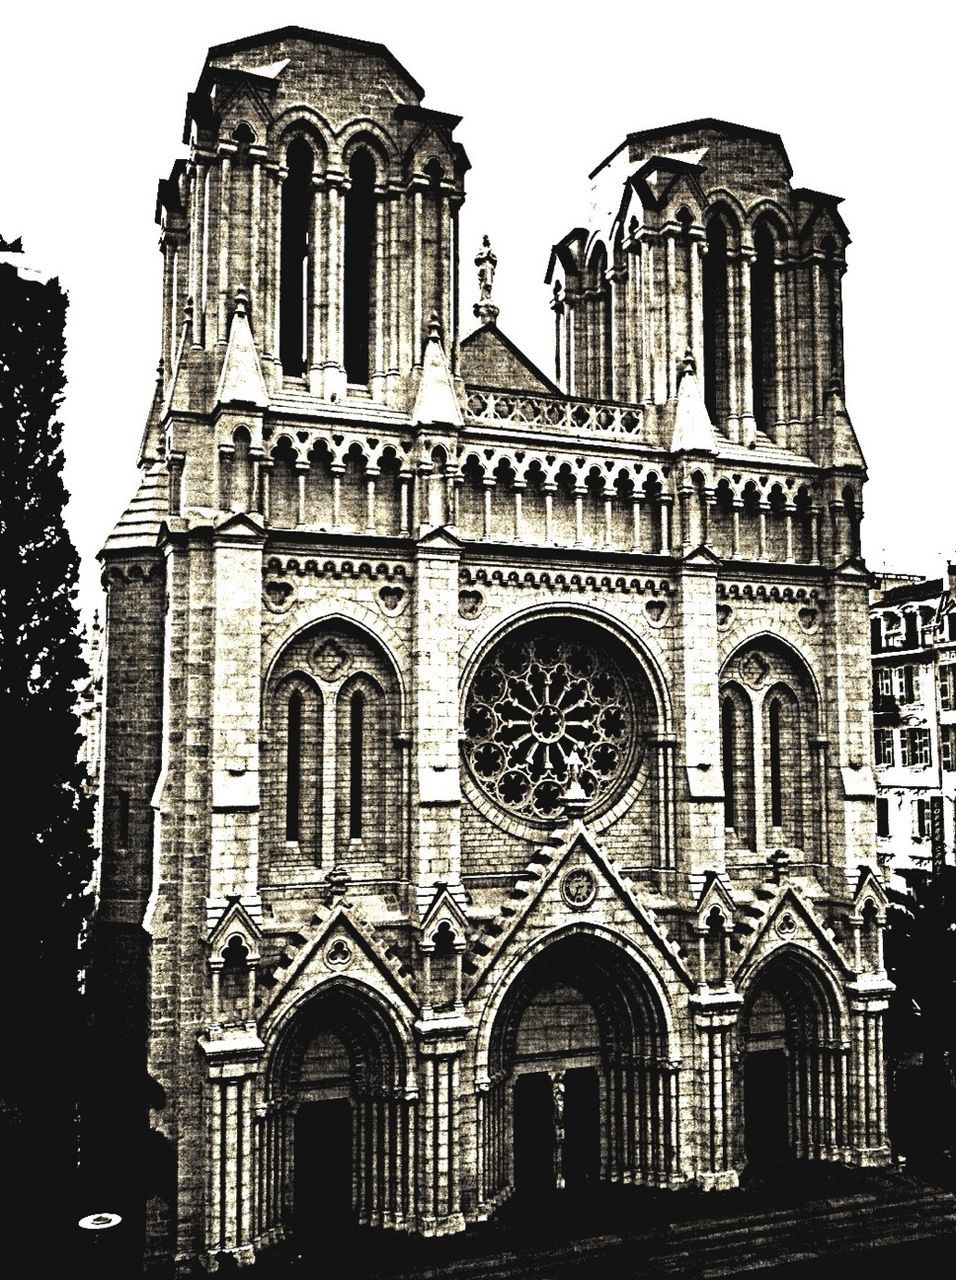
pixel 901 1211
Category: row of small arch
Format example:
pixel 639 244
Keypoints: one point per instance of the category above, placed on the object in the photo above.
pixel 492 462
pixel 428 156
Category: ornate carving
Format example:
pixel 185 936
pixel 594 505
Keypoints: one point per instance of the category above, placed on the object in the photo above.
pixel 656 610
pixel 754 669
pixel 391 599
pixel 786 925
pixel 578 888
pixel 536 701
pixel 724 616
pixel 329 660
pixel 278 596
pixel 338 954
pixel 470 603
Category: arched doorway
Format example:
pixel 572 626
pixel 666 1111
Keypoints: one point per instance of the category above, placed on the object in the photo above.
pixel 793 1065
pixel 337 1141
pixel 580 1090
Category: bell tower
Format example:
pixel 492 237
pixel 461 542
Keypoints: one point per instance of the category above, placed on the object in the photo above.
pixel 330 197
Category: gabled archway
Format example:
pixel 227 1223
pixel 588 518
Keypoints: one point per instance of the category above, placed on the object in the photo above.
pixel 793 1062
pixel 580 1086
pixel 337 1141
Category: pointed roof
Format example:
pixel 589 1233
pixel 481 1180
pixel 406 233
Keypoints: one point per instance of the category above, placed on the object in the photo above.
pixel 241 380
pixel 151 444
pixel 436 403
pixel 490 359
pixel 140 523
pixel 840 445
pixel 693 431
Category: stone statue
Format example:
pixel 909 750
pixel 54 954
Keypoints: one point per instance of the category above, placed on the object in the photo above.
pixel 486 261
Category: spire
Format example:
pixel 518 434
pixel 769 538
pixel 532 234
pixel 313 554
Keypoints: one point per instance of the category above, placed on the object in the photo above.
pixel 436 402
pixel 151 445
pixel 840 445
pixel 241 379
pixel 693 432
pixel 486 261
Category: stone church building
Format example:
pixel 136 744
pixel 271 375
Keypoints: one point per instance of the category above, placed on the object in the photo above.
pixel 488 802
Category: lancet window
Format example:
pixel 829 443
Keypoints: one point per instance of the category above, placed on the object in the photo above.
pixel 359 267
pixel 294 255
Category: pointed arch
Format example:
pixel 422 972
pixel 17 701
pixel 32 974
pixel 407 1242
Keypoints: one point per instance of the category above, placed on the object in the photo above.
pixel 294 253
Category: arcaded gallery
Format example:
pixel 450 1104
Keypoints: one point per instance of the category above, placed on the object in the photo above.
pixel 488 802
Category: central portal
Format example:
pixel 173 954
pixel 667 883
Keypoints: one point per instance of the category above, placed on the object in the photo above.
pixel 557 1130
pixel 578 1088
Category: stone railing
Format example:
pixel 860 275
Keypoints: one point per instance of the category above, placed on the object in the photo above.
pixel 497 408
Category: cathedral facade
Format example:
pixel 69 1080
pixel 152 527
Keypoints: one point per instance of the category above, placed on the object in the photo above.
pixel 487 766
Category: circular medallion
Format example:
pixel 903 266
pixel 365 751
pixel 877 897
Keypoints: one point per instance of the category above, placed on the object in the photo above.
pixel 578 888
pixel 542 701
pixel 786 926
pixel 338 954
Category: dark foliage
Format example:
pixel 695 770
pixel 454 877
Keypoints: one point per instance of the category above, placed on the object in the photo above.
pixel 921 961
pixel 47 818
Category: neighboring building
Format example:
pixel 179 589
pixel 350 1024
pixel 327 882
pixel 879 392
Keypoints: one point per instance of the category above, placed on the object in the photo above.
pixel 913 640
pixel 487 785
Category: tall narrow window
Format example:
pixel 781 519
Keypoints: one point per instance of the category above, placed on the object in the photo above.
pixel 293 767
pixel 728 738
pixel 763 329
pixel 776 780
pixel 715 322
pixel 356 764
pixel 359 259
pixel 294 254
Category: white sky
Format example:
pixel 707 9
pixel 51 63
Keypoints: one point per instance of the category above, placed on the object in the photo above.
pixel 92 99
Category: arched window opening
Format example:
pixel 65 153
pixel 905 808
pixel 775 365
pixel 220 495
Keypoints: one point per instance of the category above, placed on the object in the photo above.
pixel 776 777
pixel 763 329
pixel 293 767
pixel 359 266
pixel 607 335
pixel 234 979
pixel 728 739
pixel 356 764
pixel 716 342
pixel 294 258
pixel 715 949
pixel 852 515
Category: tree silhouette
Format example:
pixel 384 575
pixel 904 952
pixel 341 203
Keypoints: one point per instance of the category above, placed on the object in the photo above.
pixel 47 818
pixel 921 961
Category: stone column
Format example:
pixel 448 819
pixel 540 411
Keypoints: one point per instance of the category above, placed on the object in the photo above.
pixel 234 715
pixel 333 364
pixel 748 427
pixel 225 151
pixel 715 1021
pixel 869 1143
pixel 436 786
pixel 441 1041
pixel 232 1059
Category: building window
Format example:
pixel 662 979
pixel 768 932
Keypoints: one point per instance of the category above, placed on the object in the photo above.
pixel 728 741
pixel 356 763
pixel 948 746
pixel 921 819
pixel 294 255
pixel 911 623
pixel 882 686
pixel 914 748
pixel 947 686
pixel 951 626
pixel 293 766
pixel 776 781
pixel 883 745
pixel 908 680
pixel 763 329
pixel 359 266
pixel 716 339
pixel 882 816
pixel 876 634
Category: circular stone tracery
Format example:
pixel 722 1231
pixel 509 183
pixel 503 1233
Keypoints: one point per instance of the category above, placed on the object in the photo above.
pixel 541 703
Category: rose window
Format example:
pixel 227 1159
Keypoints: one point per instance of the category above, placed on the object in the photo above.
pixel 542 705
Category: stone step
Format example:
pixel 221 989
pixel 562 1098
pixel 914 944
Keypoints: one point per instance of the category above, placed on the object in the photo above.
pixel 723 1246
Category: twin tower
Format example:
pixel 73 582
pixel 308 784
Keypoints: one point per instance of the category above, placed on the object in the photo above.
pixel 487 800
